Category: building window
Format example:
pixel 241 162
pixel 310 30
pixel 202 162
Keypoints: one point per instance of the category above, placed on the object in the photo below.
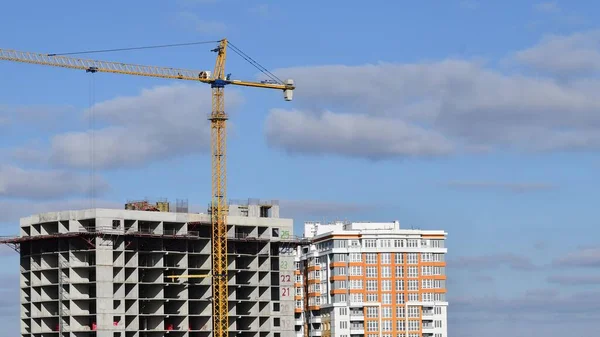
pixel 413 297
pixel 399 298
pixel 426 257
pixel 355 271
pixel 356 298
pixel 399 285
pixel 413 272
pixel 399 243
pixel 355 257
pixel 370 243
pixel 413 243
pixel 372 312
pixel 386 285
pixel 437 243
pixel 413 285
pixel 414 326
pixel 371 271
pixel 340 257
pixel 386 325
pixel 386 312
pixel 399 312
pixel 386 271
pixel 371 285
pixel 386 243
pixel 400 327
pixel 385 258
pixel 372 297
pixel 340 243
pixel 338 298
pixel 399 271
pixel 427 297
pixel 399 258
pixel 386 298
pixel 413 312
pixel 413 258
pixel 372 326
pixel 439 297
pixel 356 284
pixel 371 258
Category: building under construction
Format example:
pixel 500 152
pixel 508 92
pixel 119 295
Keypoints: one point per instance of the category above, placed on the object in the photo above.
pixel 145 271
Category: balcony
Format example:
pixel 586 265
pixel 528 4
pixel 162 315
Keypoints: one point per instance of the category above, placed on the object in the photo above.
pixel 355 330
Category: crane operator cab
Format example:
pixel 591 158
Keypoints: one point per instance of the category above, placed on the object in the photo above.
pixel 204 75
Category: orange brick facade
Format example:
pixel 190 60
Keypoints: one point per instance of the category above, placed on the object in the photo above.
pixel 374 284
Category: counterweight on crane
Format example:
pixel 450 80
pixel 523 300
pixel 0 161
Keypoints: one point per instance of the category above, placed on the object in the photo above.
pixel 218 123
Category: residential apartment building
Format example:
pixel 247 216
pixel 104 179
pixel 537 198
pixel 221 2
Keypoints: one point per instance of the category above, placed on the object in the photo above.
pixel 370 279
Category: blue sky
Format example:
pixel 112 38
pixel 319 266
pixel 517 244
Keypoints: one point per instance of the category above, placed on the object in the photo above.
pixel 474 117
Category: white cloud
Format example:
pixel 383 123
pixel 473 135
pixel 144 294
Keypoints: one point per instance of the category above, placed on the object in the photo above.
pixel 587 257
pixel 572 55
pixel 159 123
pixel 35 184
pixel 352 135
pixel 466 103
pixel 38 116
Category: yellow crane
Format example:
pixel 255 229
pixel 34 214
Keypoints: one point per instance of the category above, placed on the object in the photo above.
pixel 218 122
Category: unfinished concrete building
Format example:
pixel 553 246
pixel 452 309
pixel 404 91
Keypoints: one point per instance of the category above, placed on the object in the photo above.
pixel 128 273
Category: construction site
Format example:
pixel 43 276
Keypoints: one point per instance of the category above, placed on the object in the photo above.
pixel 147 272
pixel 153 269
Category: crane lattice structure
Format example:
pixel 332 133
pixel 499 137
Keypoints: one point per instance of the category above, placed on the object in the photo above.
pixel 218 123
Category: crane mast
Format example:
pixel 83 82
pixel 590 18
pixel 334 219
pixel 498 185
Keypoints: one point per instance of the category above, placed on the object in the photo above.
pixel 218 123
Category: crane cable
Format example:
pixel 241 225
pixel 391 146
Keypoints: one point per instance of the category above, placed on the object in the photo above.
pixel 91 120
pixel 254 63
pixel 133 48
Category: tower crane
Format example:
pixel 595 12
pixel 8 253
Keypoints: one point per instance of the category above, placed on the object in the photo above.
pixel 218 118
